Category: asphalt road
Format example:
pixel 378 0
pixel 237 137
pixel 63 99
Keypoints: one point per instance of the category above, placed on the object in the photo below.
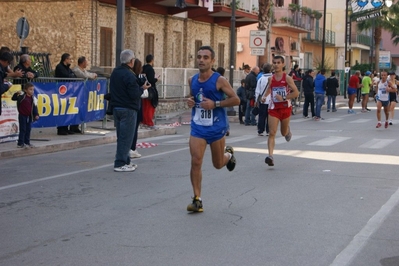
pixel 331 199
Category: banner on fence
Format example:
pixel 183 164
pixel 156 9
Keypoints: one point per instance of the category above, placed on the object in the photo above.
pixel 9 126
pixel 59 104
pixel 70 103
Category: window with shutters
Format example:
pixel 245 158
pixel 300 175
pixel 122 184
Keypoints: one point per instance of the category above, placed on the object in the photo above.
pixel 279 3
pixel 106 46
pixel 148 44
pixel 221 54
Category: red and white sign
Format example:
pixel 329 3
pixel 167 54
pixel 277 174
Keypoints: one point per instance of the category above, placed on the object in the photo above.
pixel 257 39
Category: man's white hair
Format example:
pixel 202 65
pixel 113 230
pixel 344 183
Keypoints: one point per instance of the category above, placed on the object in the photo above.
pixel 126 56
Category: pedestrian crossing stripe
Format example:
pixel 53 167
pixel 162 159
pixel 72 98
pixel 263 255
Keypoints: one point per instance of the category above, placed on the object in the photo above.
pixel 377 143
pixel 281 140
pixel 329 141
pixel 358 121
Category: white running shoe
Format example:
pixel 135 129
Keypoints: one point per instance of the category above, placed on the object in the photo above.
pixel 134 154
pixel 125 168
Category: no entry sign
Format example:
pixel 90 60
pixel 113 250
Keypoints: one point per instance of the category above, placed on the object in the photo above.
pixel 257 39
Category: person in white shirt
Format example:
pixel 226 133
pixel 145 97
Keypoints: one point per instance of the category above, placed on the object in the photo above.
pixel 263 106
pixel 80 70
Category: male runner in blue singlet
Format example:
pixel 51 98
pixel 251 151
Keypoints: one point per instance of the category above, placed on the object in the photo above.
pixel 208 123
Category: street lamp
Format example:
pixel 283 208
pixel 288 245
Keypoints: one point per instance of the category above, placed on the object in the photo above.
pixel 323 48
pixel 232 42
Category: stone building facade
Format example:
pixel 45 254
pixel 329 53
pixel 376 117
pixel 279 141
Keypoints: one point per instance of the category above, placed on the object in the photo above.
pixel 88 27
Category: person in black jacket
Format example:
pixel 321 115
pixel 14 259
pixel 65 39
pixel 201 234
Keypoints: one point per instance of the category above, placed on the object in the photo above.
pixel 25 66
pixel 250 86
pixel 149 105
pixel 6 59
pixel 125 99
pixel 331 91
pixel 308 91
pixel 63 70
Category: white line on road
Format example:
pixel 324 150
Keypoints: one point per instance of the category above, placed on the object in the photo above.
pixel 80 171
pixel 329 141
pixel 360 240
pixel 377 143
pixel 358 121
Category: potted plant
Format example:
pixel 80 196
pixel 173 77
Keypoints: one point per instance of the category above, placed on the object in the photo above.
pixel 286 20
pixel 306 10
pixel 294 7
pixel 316 14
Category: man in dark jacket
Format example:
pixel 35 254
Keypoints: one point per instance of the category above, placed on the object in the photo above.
pixel 125 99
pixel 250 86
pixel 25 66
pixel 5 60
pixel 63 70
pixel 308 92
pixel 331 91
pixel 243 101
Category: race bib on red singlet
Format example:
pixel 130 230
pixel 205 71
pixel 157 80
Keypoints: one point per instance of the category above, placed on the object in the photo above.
pixel 278 91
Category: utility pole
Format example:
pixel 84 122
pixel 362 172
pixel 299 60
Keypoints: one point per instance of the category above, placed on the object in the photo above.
pixel 323 48
pixel 232 42
pixel 120 25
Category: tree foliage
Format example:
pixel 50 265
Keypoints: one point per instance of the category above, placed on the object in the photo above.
pixel 389 21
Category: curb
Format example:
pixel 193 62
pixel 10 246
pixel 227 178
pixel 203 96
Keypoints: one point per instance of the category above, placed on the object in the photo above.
pixel 70 145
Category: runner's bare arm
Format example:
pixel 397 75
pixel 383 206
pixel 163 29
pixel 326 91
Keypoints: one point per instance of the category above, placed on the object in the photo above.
pixel 294 90
pixel 190 99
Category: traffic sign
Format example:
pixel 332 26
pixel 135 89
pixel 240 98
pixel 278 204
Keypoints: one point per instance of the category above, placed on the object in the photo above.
pixel 257 51
pixel 22 28
pixel 257 39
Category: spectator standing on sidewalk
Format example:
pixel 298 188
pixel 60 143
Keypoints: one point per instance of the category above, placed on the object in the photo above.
pixel 125 99
pixel 250 86
pixel 9 73
pixel 5 60
pixel 63 70
pixel 319 90
pixel 331 91
pixel 353 86
pixel 149 105
pixel 25 67
pixel 221 71
pixel 80 70
pixel 366 84
pixel 308 92
pixel 263 105
pixel 142 81
pixel 243 101
pixel 27 114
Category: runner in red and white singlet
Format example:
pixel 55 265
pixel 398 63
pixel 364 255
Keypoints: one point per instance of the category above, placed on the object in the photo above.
pixel 282 89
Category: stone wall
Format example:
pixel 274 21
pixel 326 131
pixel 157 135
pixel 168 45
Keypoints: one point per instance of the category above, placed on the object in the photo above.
pixel 166 106
pixel 73 26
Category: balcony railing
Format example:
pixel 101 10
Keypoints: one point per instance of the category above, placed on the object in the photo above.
pixel 361 39
pixel 317 36
pixel 283 15
pixel 249 6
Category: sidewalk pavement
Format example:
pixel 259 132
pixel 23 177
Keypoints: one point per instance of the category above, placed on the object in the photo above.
pixel 46 140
